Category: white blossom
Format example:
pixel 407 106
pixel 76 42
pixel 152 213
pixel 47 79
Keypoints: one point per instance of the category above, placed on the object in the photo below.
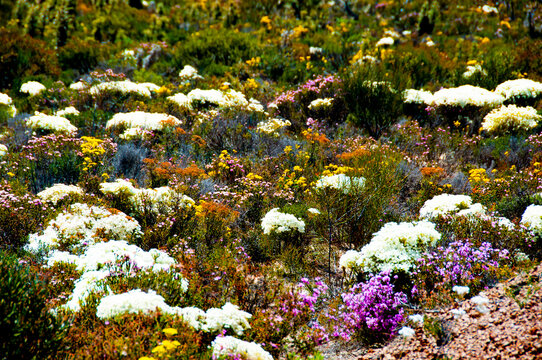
pixel 276 222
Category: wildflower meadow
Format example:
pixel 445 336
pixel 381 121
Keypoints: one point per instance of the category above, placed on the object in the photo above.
pixel 257 180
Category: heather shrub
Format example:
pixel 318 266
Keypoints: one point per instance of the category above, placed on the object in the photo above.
pixel 458 263
pixel 30 330
pixel 20 215
pixel 370 311
pixel 298 105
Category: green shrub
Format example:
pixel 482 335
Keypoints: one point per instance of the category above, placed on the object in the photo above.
pixel 80 55
pixel 29 330
pixel 22 56
pixel 212 50
pixel 374 97
pixel 20 215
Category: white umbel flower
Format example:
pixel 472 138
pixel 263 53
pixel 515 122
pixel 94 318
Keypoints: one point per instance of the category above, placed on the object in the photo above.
pixel 276 222
pixel 511 118
pixel 56 124
pixel 32 88
pixel 228 345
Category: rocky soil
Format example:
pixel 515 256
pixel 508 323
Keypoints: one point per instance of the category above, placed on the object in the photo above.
pixel 512 329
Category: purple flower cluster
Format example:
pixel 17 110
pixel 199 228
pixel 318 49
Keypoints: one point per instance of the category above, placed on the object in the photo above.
pixel 373 305
pixel 459 263
pixel 315 86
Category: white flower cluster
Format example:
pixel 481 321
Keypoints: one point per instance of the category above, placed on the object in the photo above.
pixel 58 192
pixel 88 283
pixel 340 182
pixel 271 126
pixel 228 345
pixel 32 88
pixel 70 110
pixel 101 253
pixel 230 99
pixel 511 118
pixel 81 225
pixel 80 85
pixel 466 95
pixel 395 247
pixel 445 204
pixel 189 73
pixel 320 103
pixel 481 303
pixel 490 9
pixel 413 96
pixel 472 70
pixel 125 87
pixel 212 320
pixel 131 302
pixel 158 200
pixel 152 87
pixel 213 97
pixel 313 50
pixel 407 332
pixel 519 88
pixel 385 41
pixel 276 222
pixel 532 218
pixel 6 101
pixel 215 319
pixel 3 150
pixel 182 100
pixel 56 124
pixel 137 123
pixel 461 290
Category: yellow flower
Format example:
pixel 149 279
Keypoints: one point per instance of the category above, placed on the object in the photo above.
pixel 146 358
pixel 105 176
pixel 170 331
pixel 505 23
pixel 160 349
pixel 170 345
pixel 297 168
pixel 251 84
pixel 11 174
pixel 287 149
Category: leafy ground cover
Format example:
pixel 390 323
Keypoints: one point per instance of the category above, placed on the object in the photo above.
pixel 264 180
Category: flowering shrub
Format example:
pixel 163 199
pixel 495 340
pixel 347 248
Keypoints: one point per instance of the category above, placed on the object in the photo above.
pixel 26 319
pixel 20 214
pixel 459 263
pixel 516 90
pixel 224 346
pixel 394 248
pixel 32 88
pixel 48 123
pixel 58 192
pixel 276 222
pixel 510 119
pixel 341 182
pixel 369 310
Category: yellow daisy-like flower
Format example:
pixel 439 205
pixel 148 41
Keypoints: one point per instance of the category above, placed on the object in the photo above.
pixel 160 349
pixel 170 331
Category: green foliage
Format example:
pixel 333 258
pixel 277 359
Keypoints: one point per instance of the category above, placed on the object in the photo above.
pixel 212 50
pixel 20 215
pixel 80 55
pixel 22 56
pixel 29 330
pixel 374 97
